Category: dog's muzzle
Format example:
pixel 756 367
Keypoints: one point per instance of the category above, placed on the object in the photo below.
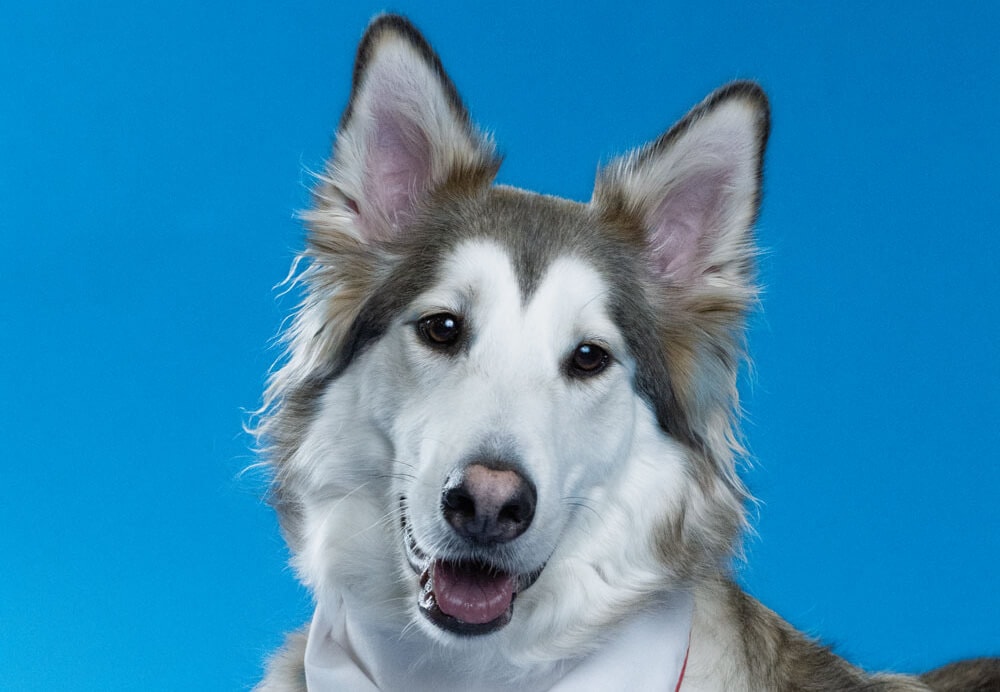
pixel 486 507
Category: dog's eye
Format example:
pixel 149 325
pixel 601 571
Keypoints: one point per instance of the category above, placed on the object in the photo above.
pixel 588 359
pixel 440 331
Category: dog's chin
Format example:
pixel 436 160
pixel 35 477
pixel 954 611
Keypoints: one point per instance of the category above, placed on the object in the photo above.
pixel 464 596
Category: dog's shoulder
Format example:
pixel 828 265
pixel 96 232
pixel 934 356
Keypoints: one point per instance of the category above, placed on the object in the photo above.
pixel 286 667
pixel 737 643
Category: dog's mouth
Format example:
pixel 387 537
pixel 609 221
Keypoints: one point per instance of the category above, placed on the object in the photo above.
pixel 464 596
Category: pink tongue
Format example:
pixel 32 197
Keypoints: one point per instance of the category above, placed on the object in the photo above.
pixel 470 593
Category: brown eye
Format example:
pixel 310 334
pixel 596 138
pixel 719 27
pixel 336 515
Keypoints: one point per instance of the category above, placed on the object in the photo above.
pixel 440 331
pixel 588 359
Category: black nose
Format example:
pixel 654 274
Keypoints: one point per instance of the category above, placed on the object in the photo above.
pixel 489 505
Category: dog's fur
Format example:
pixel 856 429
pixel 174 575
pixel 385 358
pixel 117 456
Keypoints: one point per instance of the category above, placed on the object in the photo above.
pixel 588 372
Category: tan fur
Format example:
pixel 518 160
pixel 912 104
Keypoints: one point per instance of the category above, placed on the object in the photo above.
pixel 738 645
pixel 286 669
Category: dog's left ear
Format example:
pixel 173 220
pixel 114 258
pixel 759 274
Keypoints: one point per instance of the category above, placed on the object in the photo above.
pixel 695 191
pixel 404 135
pixel 690 200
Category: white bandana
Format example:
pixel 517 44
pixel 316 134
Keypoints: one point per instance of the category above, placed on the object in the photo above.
pixel 648 653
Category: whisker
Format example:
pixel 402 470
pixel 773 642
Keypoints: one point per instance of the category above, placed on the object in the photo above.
pixel 582 503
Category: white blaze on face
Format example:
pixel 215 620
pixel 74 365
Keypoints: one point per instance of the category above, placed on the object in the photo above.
pixel 507 391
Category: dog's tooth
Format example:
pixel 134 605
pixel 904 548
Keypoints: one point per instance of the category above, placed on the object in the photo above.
pixel 427 600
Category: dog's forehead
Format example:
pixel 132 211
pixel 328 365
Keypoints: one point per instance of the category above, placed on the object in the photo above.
pixel 568 295
pixel 534 231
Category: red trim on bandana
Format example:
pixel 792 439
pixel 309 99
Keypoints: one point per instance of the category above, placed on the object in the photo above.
pixel 683 668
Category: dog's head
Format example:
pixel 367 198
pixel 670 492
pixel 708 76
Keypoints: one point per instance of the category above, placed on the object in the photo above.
pixel 504 413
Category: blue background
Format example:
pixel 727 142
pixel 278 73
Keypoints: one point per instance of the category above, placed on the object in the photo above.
pixel 152 156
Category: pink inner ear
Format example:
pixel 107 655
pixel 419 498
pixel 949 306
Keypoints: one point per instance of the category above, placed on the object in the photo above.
pixel 397 171
pixel 686 223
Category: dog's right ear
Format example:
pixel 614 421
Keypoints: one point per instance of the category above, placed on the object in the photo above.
pixel 405 134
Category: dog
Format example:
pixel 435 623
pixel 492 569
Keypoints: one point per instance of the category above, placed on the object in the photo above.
pixel 504 436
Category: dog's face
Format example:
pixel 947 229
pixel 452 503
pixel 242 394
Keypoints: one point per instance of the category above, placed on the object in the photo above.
pixel 507 401
pixel 501 424
pixel 506 414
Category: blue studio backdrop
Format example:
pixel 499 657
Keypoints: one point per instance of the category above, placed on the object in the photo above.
pixel 152 156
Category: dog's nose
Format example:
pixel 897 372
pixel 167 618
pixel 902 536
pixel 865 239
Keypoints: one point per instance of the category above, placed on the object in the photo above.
pixel 490 505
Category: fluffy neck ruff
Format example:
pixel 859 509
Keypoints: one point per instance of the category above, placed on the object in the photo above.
pixel 344 652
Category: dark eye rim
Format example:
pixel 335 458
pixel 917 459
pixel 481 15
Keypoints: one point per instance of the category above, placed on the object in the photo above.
pixel 426 326
pixel 599 365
